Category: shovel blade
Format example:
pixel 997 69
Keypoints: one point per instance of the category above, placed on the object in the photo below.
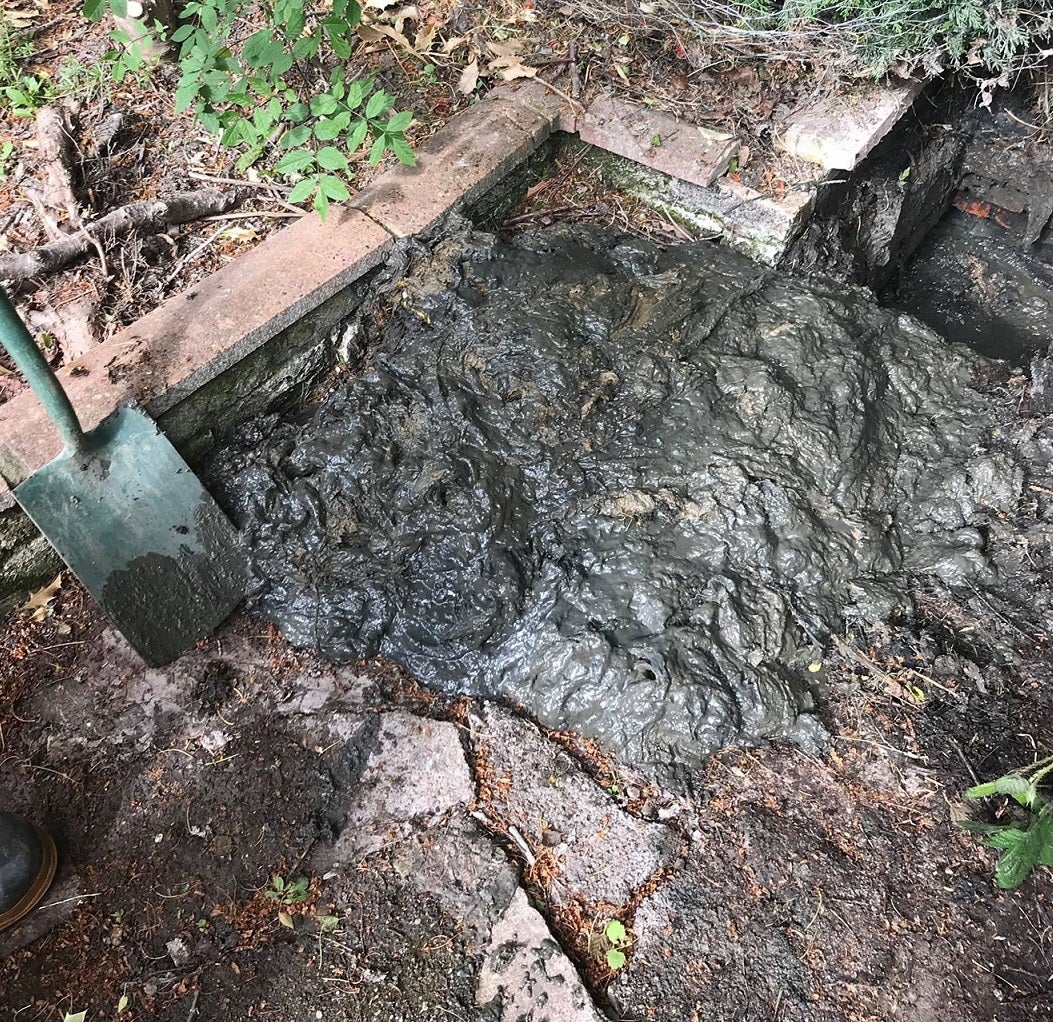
pixel 142 534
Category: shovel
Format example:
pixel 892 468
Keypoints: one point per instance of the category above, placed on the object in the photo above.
pixel 129 517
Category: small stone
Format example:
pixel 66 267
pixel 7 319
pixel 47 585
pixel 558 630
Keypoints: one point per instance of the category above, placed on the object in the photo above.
pixel 178 951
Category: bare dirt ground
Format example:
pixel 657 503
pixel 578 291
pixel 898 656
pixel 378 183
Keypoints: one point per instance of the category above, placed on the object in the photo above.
pixel 461 863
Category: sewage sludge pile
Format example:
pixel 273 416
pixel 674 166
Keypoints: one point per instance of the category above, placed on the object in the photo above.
pixel 633 488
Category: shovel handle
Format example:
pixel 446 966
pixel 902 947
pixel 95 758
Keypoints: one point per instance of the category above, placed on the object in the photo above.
pixel 34 367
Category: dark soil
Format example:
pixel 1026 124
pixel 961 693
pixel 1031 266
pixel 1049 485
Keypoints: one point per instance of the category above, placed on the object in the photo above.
pixel 820 889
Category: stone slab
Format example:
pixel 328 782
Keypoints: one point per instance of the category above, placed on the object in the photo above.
pixel 758 225
pixel 656 139
pixel 197 335
pixel 837 132
pixel 471 154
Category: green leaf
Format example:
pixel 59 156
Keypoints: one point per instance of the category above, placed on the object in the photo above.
pixel 356 92
pixel 1006 837
pixel 615 959
pixel 333 188
pixel 209 19
pixel 329 128
pixel 1013 867
pixel 75 1016
pixel 405 155
pixel 254 52
pixel 330 158
pixel 93 10
pixel 378 103
pixel 1011 784
pixel 615 931
pixel 306 47
pixel 295 136
pixel 321 205
pixel 295 25
pixel 119 8
pixel 357 135
pixel 399 123
pixel 185 96
pixel 323 105
pixel 303 189
pixel 294 162
pixel 376 151
pixel 297 112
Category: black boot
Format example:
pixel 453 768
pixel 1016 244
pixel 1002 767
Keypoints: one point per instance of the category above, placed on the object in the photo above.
pixel 27 866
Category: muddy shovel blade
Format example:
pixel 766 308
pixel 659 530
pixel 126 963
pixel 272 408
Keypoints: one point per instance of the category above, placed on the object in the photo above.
pixel 140 531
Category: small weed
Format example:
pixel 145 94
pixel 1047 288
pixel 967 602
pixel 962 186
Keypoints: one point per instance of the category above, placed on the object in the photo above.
pixel 1026 838
pixel 7 152
pixel 611 944
pixel 22 92
pixel 288 893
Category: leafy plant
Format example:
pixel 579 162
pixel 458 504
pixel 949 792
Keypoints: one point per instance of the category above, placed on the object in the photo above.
pixel 612 945
pixel 7 152
pixel 22 92
pixel 281 93
pixel 1026 841
pixel 973 35
pixel 288 893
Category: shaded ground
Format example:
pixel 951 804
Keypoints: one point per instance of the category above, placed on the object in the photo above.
pixel 432 831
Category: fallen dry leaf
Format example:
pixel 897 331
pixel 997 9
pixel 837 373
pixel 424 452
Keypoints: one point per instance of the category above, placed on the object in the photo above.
pixel 39 602
pixel 469 78
pixel 507 62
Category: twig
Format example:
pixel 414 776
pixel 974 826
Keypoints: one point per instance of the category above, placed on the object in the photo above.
pixel 66 901
pixel 250 213
pixel 192 254
pixel 514 834
pixel 559 92
pixel 575 79
pixel 198 175
pixel 148 215
pixel 193 1006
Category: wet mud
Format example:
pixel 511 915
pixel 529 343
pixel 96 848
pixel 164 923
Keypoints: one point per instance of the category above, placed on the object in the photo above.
pixel 633 488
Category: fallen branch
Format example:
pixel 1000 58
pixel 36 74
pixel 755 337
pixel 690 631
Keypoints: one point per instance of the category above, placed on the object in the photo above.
pixel 152 214
pixel 55 151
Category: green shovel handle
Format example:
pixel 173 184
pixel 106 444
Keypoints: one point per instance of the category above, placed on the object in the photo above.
pixel 34 367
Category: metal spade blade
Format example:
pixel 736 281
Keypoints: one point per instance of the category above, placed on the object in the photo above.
pixel 131 520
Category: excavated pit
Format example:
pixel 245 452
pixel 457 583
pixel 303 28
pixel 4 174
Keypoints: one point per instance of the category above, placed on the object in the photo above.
pixel 634 488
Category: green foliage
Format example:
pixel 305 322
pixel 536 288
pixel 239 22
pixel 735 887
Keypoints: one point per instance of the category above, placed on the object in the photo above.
pixel 279 94
pixel 615 944
pixel 288 892
pixel 992 37
pixel 1025 841
pixel 20 91
pixel 7 152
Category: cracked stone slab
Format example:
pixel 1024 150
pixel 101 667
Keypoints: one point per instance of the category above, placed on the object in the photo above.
pixel 416 774
pixel 657 140
pixel 837 132
pixel 603 853
pixel 410 810
pixel 526 974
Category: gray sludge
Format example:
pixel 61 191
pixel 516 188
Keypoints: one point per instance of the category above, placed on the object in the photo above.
pixel 629 487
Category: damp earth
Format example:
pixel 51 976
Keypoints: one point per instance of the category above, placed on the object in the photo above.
pixel 636 489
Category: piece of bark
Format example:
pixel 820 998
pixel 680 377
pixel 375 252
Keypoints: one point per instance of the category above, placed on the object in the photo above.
pixel 152 214
pixel 56 151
